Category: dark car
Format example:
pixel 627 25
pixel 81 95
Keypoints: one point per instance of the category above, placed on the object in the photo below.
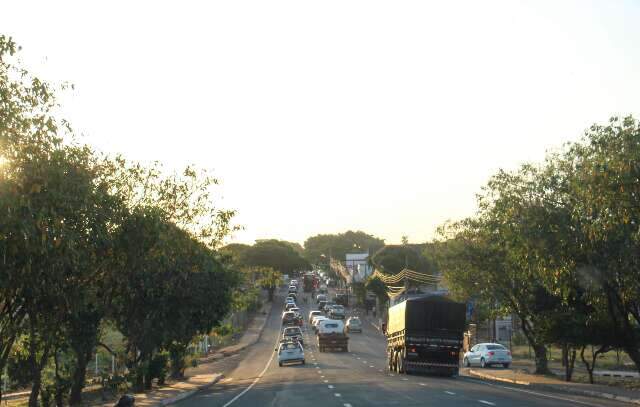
pixel 321 305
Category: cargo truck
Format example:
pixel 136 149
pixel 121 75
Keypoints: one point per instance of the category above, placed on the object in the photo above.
pixel 425 334
pixel 309 282
pixel 331 336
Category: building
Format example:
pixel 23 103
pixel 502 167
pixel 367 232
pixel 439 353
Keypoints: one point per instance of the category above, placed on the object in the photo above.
pixel 358 266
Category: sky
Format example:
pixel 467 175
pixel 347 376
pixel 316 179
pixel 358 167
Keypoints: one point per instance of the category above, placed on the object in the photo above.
pixel 322 117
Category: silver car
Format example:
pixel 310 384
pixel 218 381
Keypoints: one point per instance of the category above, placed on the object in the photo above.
pixel 354 324
pixel 487 354
pixel 290 352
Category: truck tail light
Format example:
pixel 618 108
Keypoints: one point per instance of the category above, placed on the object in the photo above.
pixel 413 350
pixel 491 353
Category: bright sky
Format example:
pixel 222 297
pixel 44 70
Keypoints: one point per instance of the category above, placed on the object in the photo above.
pixel 324 116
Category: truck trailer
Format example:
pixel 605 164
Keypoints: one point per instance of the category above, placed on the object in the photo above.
pixel 425 334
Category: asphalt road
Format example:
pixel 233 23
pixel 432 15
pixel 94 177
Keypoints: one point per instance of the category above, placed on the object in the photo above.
pixel 357 378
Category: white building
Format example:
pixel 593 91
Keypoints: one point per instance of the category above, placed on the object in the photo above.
pixel 358 266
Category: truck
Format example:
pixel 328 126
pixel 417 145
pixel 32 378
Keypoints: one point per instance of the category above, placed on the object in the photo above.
pixel 331 336
pixel 309 282
pixel 425 334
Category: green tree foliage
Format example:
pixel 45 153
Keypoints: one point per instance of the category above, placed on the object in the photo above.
pixel 338 245
pixel 557 244
pixel 275 254
pixel 86 239
pixel 392 259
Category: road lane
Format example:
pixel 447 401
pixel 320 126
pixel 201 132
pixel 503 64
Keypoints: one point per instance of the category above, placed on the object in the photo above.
pixel 356 378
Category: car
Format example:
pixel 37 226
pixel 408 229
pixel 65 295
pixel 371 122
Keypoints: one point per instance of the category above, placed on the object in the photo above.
pixel 328 326
pixel 293 296
pixel 288 318
pixel 320 297
pixel 293 333
pixel 290 351
pixel 313 314
pixel 487 354
pixel 354 324
pixel 294 282
pixel 328 306
pixel 337 312
pixel 293 289
pixel 290 305
pixel 317 320
pixel 321 305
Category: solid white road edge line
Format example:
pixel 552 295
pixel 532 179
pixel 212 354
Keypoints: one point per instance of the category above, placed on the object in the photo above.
pixel 256 379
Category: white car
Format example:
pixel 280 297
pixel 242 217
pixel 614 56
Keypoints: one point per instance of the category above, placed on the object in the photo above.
pixel 290 352
pixel 317 320
pixel 314 314
pixel 354 324
pixel 487 354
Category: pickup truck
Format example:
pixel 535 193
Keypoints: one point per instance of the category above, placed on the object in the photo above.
pixel 331 336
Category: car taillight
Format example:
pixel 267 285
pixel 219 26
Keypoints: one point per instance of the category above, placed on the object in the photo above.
pixel 491 353
pixel 412 350
pixel 508 353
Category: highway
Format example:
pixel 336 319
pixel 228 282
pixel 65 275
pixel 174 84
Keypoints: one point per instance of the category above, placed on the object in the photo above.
pixel 356 378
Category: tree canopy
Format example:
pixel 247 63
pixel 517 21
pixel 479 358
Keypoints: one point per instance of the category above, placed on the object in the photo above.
pixel 338 245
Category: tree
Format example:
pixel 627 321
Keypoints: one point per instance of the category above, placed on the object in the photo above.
pixel 275 254
pixel 392 259
pixel 338 245
pixel 268 279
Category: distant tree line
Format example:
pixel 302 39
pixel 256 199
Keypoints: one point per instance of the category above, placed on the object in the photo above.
pixel 88 241
pixel 558 245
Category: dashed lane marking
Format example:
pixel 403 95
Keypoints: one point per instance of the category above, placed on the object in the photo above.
pixel 372 366
pixel 380 370
pixel 347 405
pixel 326 381
pixel 405 379
pixel 422 384
pixel 450 392
pixel 487 402
pixel 338 395
pixel 330 386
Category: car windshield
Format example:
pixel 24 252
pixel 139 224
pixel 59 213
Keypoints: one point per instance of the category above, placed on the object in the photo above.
pixel 496 347
pixel 354 321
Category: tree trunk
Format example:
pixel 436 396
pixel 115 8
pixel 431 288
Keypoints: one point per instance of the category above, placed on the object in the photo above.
pixel 569 359
pixel 542 365
pixel 36 370
pixel 78 378
pixel 634 355
pixel 539 350
pixel 588 366
pixel 59 388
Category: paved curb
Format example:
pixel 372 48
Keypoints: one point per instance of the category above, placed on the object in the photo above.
pixel 186 394
pixel 556 388
pixel 498 379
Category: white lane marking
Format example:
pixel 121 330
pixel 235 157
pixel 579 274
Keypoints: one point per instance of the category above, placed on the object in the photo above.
pixel 317 367
pixel 534 393
pixel 347 405
pixel 487 402
pixel 253 383
pixel 358 358
pixel 372 366
pixel 422 384
pixel 391 374
pixel 322 377
pixel 326 381
pixel 320 371
pixel 338 395
pixel 330 386
pixel 405 379
pixel 450 392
